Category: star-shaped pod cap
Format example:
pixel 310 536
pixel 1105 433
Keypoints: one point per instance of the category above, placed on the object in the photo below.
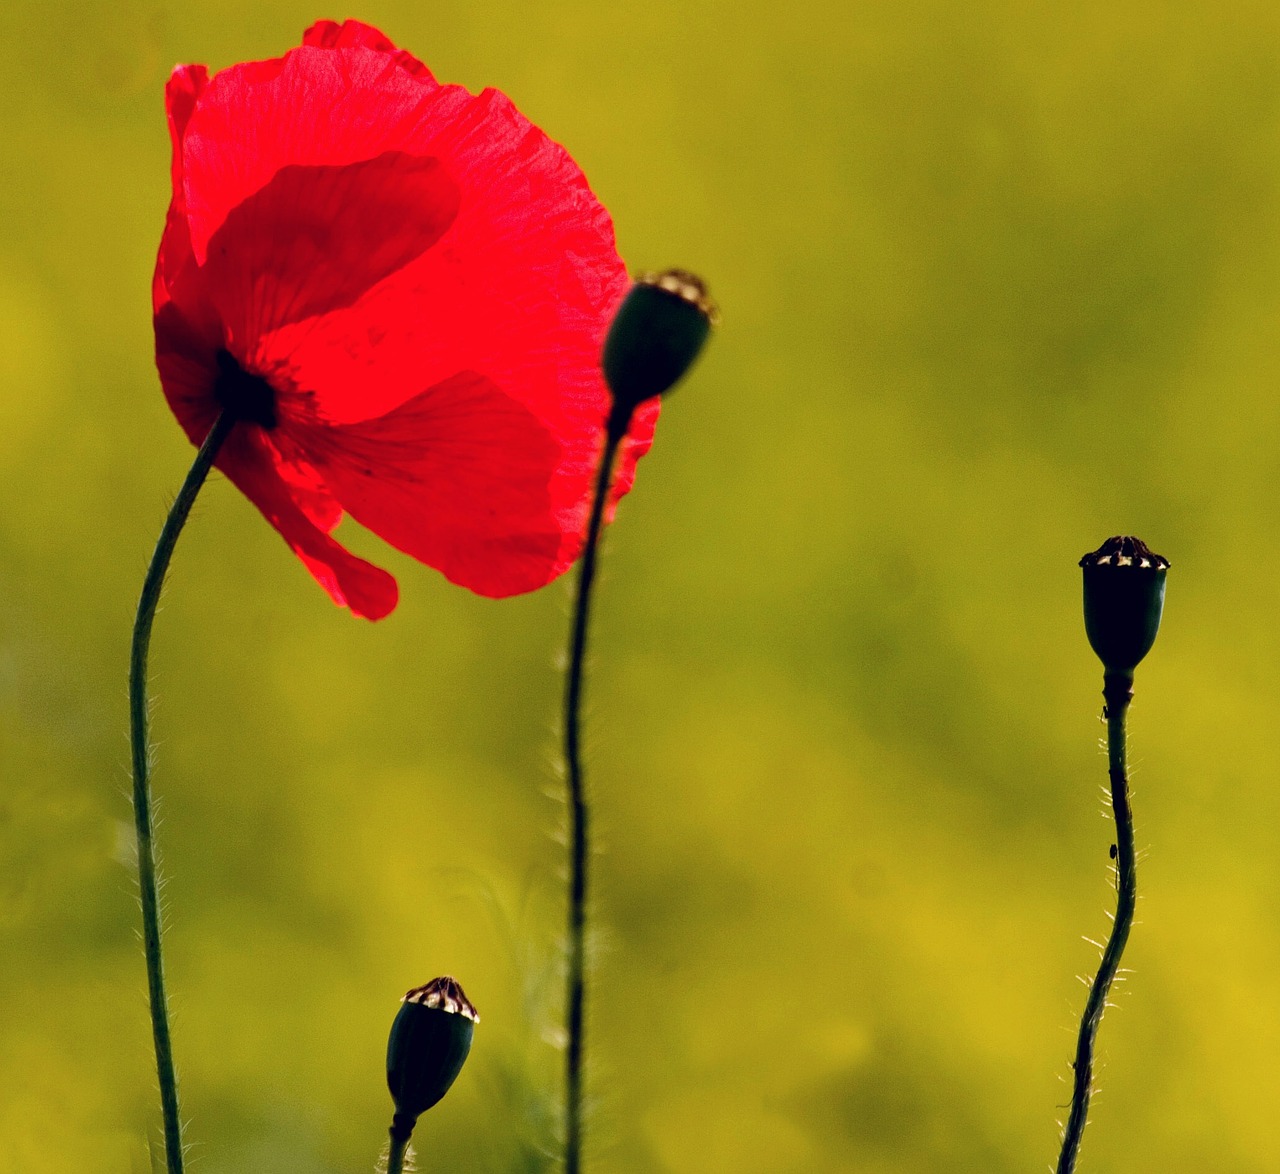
pixel 429 1042
pixel 1123 601
pixel 655 336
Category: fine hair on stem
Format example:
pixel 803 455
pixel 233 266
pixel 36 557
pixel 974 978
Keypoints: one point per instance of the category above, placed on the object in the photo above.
pixel 579 812
pixel 144 821
pixel 1117 693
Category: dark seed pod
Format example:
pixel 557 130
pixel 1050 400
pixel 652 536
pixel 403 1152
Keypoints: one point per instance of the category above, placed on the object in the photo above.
pixel 429 1042
pixel 1123 601
pixel 656 334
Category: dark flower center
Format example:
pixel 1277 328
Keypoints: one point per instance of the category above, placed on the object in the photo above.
pixel 244 395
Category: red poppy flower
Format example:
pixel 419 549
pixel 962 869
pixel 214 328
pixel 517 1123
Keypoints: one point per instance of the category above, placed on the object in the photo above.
pixel 400 289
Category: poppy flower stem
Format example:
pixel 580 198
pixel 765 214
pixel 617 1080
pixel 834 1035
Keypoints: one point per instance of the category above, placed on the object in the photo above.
pixel 142 815
pixel 575 993
pixel 396 1154
pixel 1117 692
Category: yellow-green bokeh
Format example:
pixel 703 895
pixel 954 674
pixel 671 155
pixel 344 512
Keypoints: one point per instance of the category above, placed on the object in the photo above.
pixel 999 280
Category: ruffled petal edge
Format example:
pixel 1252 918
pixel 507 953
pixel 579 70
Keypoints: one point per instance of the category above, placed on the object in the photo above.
pixel 355 34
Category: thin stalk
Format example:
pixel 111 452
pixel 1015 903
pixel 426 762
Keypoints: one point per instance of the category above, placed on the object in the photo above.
pixel 396 1155
pixel 575 994
pixel 1117 691
pixel 143 821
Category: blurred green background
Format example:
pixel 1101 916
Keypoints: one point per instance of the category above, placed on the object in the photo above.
pixel 999 280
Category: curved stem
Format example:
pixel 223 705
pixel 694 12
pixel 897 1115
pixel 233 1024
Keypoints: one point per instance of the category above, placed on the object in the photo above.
pixel 1117 691
pixel 575 995
pixel 143 821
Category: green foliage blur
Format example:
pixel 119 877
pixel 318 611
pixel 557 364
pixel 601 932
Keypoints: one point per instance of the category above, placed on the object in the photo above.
pixel 999 280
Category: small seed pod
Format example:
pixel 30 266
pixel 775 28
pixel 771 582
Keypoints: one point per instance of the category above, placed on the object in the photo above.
pixel 429 1042
pixel 1123 601
pixel 656 334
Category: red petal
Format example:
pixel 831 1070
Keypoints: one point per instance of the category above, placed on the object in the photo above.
pixel 250 461
pixel 520 289
pixel 501 311
pixel 457 478
pixel 316 238
pixel 290 493
pixel 638 442
pixel 180 95
pixel 352 34
pixel 312 108
pixel 308 489
pixel 186 345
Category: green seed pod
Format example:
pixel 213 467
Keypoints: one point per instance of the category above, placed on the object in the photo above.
pixel 656 334
pixel 1123 601
pixel 429 1042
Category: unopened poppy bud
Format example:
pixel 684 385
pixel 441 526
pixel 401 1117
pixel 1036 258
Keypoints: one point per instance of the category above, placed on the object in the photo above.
pixel 656 334
pixel 429 1042
pixel 1123 601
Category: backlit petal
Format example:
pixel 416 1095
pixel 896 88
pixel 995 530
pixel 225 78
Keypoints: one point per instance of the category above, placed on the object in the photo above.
pixel 250 462
pixel 457 478
pixel 520 289
pixel 313 108
pixel 352 34
pixel 316 238
pixel 180 95
pixel 187 340
pixel 350 233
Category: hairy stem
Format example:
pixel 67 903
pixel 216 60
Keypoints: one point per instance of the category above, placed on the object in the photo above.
pixel 575 993
pixel 1117 692
pixel 142 815
pixel 396 1154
